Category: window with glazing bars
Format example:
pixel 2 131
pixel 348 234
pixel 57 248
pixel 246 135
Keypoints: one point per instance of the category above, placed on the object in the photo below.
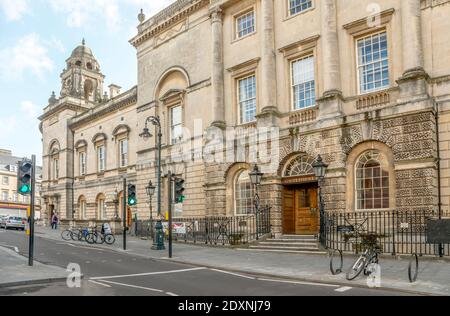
pixel 245 24
pixel 373 63
pixel 297 6
pixel 303 83
pixel 176 125
pixel 247 99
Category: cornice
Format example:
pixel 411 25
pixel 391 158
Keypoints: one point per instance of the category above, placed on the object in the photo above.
pixel 86 117
pixel 165 19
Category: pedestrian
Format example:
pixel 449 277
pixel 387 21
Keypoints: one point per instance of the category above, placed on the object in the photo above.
pixel 54 221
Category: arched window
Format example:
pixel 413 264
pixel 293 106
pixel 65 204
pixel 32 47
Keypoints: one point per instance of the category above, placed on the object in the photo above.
pixel 372 182
pixel 299 166
pixel 82 207
pixel 101 207
pixel 243 195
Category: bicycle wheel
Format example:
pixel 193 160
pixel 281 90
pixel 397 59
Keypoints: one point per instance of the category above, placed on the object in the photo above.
pixel 66 235
pixel 110 239
pixel 75 236
pixel 368 269
pixel 100 239
pixel 356 269
pixel 91 238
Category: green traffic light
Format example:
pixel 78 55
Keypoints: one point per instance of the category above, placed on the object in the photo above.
pixel 25 188
pixel 132 201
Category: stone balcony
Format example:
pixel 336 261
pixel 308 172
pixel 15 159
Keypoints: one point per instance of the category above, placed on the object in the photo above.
pixel 303 116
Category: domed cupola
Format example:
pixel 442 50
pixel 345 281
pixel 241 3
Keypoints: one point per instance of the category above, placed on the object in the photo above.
pixel 82 77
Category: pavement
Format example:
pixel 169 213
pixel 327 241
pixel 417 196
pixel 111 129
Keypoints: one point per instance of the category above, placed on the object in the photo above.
pixel 433 278
pixel 111 272
pixel 14 270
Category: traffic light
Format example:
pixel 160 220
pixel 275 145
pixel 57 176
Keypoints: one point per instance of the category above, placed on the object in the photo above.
pixel 179 191
pixel 132 200
pixel 24 177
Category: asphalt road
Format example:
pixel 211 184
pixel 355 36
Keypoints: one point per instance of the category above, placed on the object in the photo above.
pixel 108 272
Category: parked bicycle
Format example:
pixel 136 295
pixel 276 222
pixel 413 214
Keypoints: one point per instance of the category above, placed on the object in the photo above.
pixel 368 259
pixel 101 237
pixel 72 233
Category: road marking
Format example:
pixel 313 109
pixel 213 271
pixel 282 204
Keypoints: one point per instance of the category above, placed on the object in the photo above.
pixel 171 294
pixel 146 274
pixel 98 283
pixel 134 286
pixel 81 247
pixel 298 282
pixel 88 262
pixel 16 249
pixel 235 274
pixel 343 289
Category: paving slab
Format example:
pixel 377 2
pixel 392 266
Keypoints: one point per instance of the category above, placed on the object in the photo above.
pixel 14 270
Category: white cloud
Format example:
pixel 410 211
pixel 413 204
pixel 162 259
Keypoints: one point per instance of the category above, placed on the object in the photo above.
pixel 84 13
pixel 28 54
pixel 7 126
pixel 14 10
pixel 30 109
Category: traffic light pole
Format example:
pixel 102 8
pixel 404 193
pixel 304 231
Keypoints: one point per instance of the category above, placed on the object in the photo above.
pixel 124 216
pixel 32 194
pixel 169 176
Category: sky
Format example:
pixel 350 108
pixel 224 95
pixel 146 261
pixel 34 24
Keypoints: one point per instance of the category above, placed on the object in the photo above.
pixel 36 38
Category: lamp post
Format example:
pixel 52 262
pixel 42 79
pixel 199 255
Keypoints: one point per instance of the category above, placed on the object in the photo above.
pixel 158 241
pixel 255 178
pixel 150 189
pixel 320 168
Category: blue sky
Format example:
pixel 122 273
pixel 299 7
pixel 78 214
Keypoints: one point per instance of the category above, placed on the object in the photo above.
pixel 37 36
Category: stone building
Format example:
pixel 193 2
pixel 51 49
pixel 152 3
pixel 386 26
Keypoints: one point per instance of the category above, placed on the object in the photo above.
pixel 12 203
pixel 364 84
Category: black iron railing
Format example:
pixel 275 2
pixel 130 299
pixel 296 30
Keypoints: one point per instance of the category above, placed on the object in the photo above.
pixel 397 232
pixel 216 230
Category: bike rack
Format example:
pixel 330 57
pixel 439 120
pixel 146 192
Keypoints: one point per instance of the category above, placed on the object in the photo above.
pixel 413 268
pixel 341 266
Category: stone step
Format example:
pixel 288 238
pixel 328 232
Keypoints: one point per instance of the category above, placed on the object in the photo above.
pixel 293 240
pixel 313 248
pixel 306 252
pixel 295 243
pixel 298 237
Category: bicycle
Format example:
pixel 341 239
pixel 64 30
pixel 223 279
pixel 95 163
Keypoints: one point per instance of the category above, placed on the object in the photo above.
pixel 367 260
pixel 100 237
pixel 71 234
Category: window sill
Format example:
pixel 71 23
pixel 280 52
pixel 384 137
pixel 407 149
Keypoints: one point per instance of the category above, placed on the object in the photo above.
pixel 238 39
pixel 292 16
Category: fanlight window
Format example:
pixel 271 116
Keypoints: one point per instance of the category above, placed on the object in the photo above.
pixel 372 182
pixel 300 166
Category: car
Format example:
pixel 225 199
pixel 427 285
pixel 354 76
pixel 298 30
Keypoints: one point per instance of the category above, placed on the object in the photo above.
pixel 16 222
pixel 3 220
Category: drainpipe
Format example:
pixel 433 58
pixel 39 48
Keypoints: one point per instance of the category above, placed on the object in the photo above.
pixel 436 115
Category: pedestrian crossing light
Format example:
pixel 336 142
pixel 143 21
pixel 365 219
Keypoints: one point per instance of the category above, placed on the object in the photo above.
pixel 24 177
pixel 132 200
pixel 179 191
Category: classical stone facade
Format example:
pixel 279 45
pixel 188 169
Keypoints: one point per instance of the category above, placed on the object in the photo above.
pixel 365 85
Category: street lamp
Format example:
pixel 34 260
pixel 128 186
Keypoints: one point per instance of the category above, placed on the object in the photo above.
pixel 158 241
pixel 150 189
pixel 255 178
pixel 320 169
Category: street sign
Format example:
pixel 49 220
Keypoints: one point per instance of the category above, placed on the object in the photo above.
pixel 345 229
pixel 179 228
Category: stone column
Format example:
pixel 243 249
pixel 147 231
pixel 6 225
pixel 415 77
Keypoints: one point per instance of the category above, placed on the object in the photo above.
pixel 268 58
pixel 413 82
pixel 412 36
pixel 330 48
pixel 330 102
pixel 218 71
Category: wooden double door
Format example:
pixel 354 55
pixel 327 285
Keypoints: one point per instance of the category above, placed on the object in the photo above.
pixel 300 210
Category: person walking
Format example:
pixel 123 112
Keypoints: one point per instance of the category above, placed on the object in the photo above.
pixel 54 221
